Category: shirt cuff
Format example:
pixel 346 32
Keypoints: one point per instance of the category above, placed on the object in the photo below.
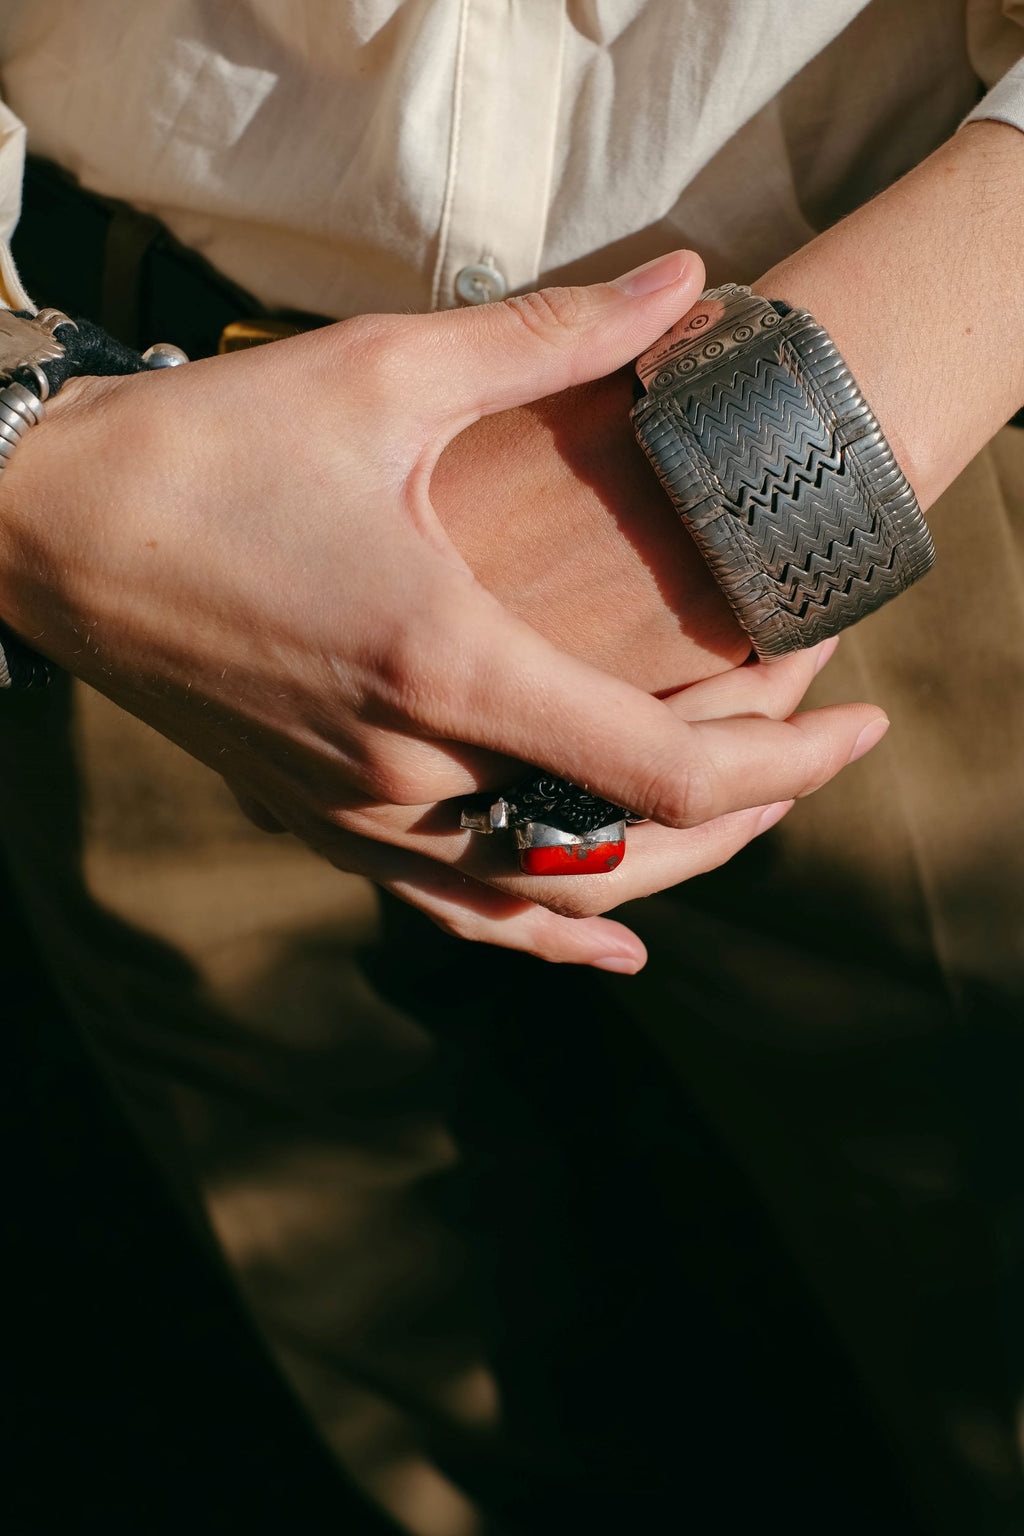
pixel 12 171
pixel 1004 102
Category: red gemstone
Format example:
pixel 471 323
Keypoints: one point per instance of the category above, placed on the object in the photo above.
pixel 571 859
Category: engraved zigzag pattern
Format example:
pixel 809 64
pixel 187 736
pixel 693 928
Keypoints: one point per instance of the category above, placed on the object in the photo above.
pixel 785 476
pixel 806 522
pixel 753 427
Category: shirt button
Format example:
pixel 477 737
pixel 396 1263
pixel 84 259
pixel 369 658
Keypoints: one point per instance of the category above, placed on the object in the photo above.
pixel 480 284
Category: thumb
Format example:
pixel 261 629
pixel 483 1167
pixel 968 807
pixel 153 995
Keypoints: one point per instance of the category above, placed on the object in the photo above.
pixel 472 362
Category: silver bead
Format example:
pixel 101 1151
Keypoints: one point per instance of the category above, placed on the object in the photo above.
pixel 163 354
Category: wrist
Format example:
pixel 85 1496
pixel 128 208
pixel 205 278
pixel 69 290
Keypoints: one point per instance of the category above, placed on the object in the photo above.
pixel 48 518
pixel 921 292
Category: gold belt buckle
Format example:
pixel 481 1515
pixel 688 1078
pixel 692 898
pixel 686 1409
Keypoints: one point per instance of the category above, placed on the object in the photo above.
pixel 241 334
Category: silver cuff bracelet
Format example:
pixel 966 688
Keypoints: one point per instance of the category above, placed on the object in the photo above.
pixel 776 464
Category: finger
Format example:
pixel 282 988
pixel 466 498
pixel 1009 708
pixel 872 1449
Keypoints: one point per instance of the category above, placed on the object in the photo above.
pixel 574 933
pixel 753 762
pixel 517 694
pixel 658 858
pixel 463 907
pixel 773 688
pixel 471 362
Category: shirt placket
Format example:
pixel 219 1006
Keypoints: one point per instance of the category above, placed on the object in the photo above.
pixel 504 118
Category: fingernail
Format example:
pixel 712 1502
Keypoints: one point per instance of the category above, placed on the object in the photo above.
pixel 825 653
pixel 869 737
pixel 625 965
pixel 772 814
pixel 659 273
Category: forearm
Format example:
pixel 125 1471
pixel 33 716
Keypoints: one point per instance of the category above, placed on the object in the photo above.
pixel 922 290
pixel 556 509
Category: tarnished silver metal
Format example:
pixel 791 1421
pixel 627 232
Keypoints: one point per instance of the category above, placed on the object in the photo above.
pixel 595 850
pixel 490 818
pixel 23 343
pixel 539 834
pixel 15 412
pixel 18 420
pixel 41 379
pixel 20 398
pixel 779 469
pixel 51 319
pixel 163 354
pixel 23 402
pixel 545 812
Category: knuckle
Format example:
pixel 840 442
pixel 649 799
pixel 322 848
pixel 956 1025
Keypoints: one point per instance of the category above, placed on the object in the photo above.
pixel 388 783
pixel 682 797
pixel 822 758
pixel 372 348
pixel 569 903
pixel 409 690
pixel 383 775
pixel 553 314
pixel 427 650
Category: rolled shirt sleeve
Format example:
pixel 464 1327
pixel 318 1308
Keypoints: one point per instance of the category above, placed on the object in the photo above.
pixel 995 41
pixel 12 170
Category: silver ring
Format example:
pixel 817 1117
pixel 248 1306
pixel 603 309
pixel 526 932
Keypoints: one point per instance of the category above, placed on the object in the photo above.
pixel 21 399
pixel 559 828
pixel 41 379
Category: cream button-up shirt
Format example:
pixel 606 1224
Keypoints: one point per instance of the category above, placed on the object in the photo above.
pixel 343 156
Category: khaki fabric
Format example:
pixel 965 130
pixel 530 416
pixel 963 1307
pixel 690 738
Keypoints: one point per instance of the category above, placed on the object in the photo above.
pixel 392 1174
pixel 536 1248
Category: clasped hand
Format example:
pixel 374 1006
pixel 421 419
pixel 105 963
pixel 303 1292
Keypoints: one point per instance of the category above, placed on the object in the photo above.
pixel 246 553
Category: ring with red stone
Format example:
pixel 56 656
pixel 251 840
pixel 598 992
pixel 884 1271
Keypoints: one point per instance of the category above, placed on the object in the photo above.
pixel 559 828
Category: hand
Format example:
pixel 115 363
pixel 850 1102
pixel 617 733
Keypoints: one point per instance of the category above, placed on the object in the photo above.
pixel 243 552
pixel 467 883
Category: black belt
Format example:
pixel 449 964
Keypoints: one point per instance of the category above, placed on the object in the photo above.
pixel 95 256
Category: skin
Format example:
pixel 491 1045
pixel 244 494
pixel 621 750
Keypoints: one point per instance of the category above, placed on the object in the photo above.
pixel 273 590
pixel 936 352
pixel 933 343
pixel 355 715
